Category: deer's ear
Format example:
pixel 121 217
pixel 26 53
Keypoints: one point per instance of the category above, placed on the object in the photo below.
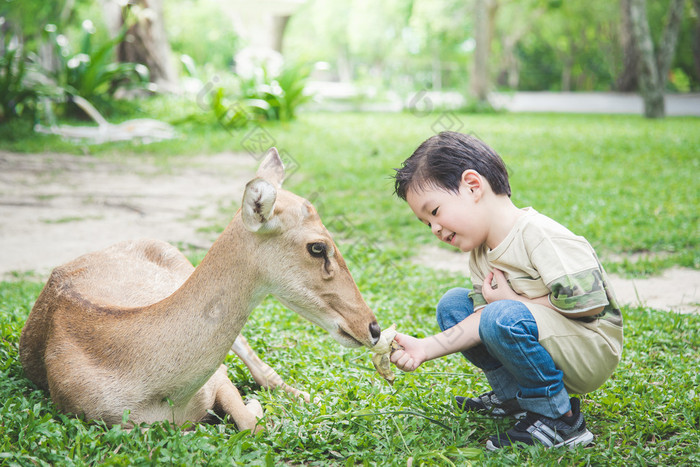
pixel 272 168
pixel 258 206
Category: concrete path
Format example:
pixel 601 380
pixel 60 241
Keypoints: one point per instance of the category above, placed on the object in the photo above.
pixel 343 97
pixel 592 103
pixel 55 207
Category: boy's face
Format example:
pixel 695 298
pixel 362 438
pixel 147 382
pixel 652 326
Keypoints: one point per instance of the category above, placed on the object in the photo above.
pixel 455 218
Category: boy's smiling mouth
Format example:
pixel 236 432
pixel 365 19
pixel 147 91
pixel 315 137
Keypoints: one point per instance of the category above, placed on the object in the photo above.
pixel 449 238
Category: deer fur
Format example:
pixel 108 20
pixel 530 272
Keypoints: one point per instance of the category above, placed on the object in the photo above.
pixel 136 328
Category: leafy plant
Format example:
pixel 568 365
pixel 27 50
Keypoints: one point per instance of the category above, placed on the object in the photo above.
pixel 285 93
pixel 91 72
pixel 17 93
pixel 237 114
pixel 262 97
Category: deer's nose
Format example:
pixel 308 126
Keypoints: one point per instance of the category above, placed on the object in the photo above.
pixel 375 331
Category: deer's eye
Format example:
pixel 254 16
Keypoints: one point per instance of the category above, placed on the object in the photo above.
pixel 317 250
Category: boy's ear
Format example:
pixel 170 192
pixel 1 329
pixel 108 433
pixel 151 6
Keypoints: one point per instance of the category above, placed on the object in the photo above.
pixel 472 181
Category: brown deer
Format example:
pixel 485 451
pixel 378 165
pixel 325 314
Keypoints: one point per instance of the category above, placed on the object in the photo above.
pixel 136 327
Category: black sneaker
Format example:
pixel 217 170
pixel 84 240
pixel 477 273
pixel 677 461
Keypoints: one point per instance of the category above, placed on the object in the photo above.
pixel 490 404
pixel 538 429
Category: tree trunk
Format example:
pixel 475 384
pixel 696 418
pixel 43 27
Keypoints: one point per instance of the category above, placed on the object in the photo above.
pixel 511 65
pixel 146 41
pixel 279 24
pixel 112 12
pixel 653 69
pixel 627 80
pixel 696 38
pixel 667 47
pixel 344 63
pixel 436 65
pixel 484 21
pixel 568 63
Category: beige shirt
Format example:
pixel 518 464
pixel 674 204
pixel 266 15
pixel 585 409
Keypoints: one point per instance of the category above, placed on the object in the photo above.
pixel 541 257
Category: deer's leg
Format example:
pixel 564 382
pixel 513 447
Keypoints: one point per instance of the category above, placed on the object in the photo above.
pixel 228 400
pixel 262 373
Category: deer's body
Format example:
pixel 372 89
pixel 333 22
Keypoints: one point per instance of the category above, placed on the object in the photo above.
pixel 135 327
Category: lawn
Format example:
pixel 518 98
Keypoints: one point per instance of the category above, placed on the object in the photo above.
pixel 628 184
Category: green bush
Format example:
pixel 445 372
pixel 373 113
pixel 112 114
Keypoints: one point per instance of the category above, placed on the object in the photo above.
pixel 262 97
pixel 285 94
pixel 91 72
pixel 18 93
pixel 236 114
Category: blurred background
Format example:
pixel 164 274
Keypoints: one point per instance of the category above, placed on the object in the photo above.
pixel 267 58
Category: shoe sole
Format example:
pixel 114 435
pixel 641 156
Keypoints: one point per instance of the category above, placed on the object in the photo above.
pixel 584 439
pixel 516 415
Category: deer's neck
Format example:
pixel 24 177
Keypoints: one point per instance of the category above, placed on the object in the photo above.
pixel 200 321
pixel 223 289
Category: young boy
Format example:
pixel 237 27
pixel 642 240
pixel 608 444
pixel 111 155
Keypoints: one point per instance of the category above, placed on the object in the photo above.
pixel 541 320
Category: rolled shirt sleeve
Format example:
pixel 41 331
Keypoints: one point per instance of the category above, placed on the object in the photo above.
pixel 477 297
pixel 572 273
pixel 477 275
pixel 578 292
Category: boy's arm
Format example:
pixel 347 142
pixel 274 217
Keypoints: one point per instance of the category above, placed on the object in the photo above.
pixel 504 292
pixel 464 335
pixel 416 351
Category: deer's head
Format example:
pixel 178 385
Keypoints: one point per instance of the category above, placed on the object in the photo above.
pixel 300 262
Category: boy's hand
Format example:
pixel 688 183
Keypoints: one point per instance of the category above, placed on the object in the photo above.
pixel 411 356
pixel 500 291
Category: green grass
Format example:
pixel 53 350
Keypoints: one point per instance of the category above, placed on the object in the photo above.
pixel 629 185
pixel 648 413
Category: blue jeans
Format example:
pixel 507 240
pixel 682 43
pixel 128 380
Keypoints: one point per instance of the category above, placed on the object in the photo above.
pixel 514 362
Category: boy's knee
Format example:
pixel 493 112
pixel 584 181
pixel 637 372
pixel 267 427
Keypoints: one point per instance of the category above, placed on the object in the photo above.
pixel 502 317
pixel 453 307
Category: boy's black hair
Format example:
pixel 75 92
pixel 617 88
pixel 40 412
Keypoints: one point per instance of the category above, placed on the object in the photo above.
pixel 440 161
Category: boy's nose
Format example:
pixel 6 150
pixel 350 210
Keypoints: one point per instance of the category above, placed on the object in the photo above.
pixel 436 228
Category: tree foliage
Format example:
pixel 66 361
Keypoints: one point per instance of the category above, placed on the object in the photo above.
pixel 536 44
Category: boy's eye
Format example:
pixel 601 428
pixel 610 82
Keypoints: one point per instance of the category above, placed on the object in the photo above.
pixel 429 224
pixel 434 212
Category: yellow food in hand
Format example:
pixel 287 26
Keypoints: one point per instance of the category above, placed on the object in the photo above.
pixel 382 352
